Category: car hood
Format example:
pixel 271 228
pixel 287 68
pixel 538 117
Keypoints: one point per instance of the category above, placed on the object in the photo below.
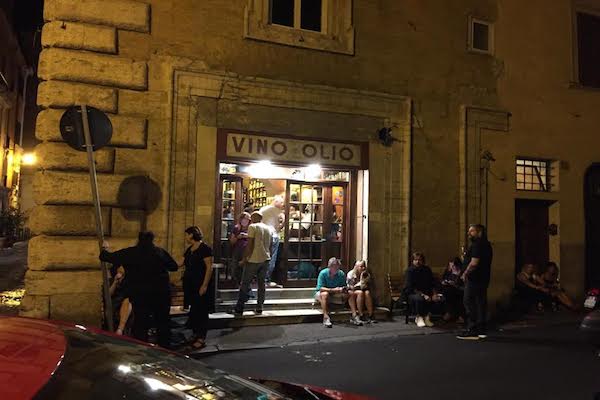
pixel 30 352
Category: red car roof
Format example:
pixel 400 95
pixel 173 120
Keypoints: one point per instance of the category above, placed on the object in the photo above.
pixel 30 352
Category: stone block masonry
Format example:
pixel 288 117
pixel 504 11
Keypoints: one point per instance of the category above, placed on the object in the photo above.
pixel 55 94
pixel 106 70
pixel 127 131
pixel 71 35
pixel 122 14
pixel 81 64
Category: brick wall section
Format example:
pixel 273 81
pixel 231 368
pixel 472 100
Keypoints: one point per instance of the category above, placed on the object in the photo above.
pixel 81 63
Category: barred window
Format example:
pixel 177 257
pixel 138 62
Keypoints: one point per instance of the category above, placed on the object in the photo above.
pixel 533 175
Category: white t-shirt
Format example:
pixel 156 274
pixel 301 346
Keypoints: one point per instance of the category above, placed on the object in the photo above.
pixel 271 217
pixel 262 243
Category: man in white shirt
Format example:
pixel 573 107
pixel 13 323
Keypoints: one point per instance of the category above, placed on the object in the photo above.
pixel 257 255
pixel 273 217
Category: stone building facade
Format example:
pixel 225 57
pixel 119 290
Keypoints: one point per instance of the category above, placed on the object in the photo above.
pixel 173 75
pixel 12 77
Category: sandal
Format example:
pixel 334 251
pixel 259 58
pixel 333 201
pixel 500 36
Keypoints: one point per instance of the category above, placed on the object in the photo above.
pixel 199 344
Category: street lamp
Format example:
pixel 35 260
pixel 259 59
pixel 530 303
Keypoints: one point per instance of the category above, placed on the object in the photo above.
pixel 29 159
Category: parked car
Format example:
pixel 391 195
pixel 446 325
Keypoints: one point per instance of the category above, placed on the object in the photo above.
pixel 42 360
pixel 590 326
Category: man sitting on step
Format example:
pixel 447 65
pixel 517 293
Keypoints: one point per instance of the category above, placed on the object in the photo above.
pixel 255 262
pixel 332 289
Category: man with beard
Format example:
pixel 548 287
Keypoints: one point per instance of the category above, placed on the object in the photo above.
pixel 477 279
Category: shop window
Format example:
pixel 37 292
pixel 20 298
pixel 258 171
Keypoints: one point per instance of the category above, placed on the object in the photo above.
pixel 315 24
pixel 588 51
pixel 533 175
pixel 481 36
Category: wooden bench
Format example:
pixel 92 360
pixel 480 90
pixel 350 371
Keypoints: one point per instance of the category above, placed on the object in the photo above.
pixel 176 295
pixel 396 286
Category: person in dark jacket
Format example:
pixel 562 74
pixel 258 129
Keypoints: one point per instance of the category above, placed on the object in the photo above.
pixel 147 269
pixel 420 290
pixel 452 288
pixel 477 277
pixel 198 260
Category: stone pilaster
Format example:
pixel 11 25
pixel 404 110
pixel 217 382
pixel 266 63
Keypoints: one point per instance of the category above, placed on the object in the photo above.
pixel 81 63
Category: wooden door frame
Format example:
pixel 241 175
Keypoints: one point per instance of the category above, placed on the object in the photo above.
pixel 588 275
pixel 547 204
pixel 346 224
pixel 218 210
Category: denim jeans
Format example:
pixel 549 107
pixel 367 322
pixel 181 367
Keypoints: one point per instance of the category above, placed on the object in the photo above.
pixel 250 271
pixel 274 253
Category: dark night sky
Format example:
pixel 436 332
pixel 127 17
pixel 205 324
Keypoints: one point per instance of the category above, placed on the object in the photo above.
pixel 28 18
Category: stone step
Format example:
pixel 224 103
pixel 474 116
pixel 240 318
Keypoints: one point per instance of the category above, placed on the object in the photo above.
pixel 220 320
pixel 271 293
pixel 281 317
pixel 269 304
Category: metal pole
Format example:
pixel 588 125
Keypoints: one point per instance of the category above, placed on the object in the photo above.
pixel 99 227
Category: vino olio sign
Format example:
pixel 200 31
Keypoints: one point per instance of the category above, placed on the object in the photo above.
pixel 290 149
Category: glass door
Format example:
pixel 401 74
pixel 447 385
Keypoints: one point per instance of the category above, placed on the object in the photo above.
pixel 229 207
pixel 315 220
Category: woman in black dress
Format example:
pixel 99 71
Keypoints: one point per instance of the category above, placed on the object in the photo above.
pixel 196 283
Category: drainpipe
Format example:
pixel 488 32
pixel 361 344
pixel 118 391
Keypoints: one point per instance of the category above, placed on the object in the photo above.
pixel 28 72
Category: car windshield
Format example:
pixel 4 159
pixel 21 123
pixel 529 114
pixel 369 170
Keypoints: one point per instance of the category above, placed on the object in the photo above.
pixel 96 366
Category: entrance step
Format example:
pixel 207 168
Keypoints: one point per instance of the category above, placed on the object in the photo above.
pixel 269 304
pixel 280 317
pixel 271 293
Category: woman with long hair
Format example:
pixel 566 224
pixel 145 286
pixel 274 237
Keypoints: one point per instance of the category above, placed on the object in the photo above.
pixel 198 260
pixel 359 282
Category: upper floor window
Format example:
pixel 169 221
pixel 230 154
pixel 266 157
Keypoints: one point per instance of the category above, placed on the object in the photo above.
pixel 299 14
pixel 533 175
pixel 588 49
pixel 315 24
pixel 481 36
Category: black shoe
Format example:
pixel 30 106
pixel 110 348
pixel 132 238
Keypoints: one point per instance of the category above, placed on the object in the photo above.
pixel 237 313
pixel 258 312
pixel 468 335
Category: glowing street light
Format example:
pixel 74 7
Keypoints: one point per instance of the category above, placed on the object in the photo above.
pixel 29 159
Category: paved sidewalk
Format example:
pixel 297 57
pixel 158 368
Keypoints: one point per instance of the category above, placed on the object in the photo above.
pixel 254 337
pixel 13 263
pixel 257 337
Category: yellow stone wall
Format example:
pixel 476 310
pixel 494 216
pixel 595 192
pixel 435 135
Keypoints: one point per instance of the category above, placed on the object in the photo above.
pixel 410 68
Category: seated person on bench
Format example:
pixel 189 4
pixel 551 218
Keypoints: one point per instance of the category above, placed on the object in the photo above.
pixel 549 280
pixel 332 289
pixel 420 290
pixel 530 291
pixel 452 288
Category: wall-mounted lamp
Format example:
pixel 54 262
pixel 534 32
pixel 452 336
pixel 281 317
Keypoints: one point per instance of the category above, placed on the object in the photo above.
pixel 385 136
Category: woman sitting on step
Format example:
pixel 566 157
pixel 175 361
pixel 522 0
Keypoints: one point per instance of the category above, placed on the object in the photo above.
pixel 358 280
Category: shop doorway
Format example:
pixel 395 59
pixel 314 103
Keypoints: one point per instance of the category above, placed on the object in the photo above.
pixel 592 226
pixel 316 220
pixel 532 233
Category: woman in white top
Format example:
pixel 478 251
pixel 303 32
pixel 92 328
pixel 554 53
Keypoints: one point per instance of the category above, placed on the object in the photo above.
pixel 358 281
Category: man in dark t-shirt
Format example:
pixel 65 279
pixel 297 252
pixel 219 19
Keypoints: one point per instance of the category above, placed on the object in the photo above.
pixel 477 279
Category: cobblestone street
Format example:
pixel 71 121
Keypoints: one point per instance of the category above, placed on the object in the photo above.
pixel 13 263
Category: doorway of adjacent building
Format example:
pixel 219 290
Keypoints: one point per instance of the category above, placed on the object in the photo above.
pixel 592 226
pixel 532 233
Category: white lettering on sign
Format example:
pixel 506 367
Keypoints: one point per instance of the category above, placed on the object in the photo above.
pixel 297 150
